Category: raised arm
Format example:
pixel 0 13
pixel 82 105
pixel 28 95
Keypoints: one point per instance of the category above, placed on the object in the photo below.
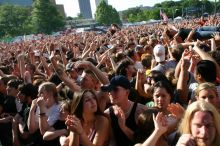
pixel 32 124
pixel 161 126
pixel 205 56
pixel 182 88
pixel 63 76
pixel 99 74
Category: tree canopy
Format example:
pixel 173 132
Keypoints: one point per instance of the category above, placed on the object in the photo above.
pixel 14 20
pixel 172 9
pixel 45 17
pixel 106 14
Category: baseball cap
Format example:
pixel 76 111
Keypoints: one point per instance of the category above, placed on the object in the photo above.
pixel 159 53
pixel 118 80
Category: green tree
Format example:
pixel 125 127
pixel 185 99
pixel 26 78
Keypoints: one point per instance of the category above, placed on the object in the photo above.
pixel 133 11
pixel 14 20
pixel 106 14
pixel 45 17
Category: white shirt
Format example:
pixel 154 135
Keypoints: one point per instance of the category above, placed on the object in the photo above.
pixel 52 113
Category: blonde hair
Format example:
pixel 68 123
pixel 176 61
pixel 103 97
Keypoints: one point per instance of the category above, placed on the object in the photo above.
pixel 184 127
pixel 50 87
pixel 206 86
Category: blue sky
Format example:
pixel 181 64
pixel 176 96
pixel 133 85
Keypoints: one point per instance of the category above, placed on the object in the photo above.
pixel 72 8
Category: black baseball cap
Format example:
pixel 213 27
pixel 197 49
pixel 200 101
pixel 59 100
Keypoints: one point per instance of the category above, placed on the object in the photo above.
pixel 118 80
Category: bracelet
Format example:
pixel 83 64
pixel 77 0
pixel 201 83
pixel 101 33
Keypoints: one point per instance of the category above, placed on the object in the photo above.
pixel 42 114
pixel 62 84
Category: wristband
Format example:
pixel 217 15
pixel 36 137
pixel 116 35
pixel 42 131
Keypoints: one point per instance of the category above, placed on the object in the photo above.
pixel 42 114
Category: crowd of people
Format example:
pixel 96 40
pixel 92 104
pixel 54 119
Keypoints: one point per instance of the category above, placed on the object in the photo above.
pixel 150 85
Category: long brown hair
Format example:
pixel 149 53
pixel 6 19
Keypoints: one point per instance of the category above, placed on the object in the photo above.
pixel 77 103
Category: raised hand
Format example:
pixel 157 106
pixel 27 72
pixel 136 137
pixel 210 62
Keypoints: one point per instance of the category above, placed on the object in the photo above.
pixel 186 140
pixel 74 124
pixel 176 110
pixel 121 116
pixel 216 36
pixel 160 123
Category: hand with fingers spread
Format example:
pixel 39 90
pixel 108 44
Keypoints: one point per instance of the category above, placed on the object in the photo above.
pixel 160 123
pixel 176 110
pixel 216 36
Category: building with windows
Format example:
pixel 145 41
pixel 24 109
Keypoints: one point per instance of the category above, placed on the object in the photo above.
pixel 85 8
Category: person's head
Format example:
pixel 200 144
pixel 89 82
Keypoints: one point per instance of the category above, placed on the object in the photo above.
pixel 65 109
pixel 208 92
pixel 201 120
pixel 12 87
pixel 89 80
pixel 71 70
pixel 126 68
pixel 27 92
pixel 132 54
pixel 139 49
pixel 3 84
pixel 177 51
pixel 145 125
pixel 48 91
pixel 162 94
pixel 84 103
pixel 146 61
pixel 154 77
pixel 30 67
pixel 159 53
pixel 119 88
pixel 205 71
pixel 170 76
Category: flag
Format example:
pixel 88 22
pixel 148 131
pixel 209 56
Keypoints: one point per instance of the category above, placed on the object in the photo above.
pixel 163 15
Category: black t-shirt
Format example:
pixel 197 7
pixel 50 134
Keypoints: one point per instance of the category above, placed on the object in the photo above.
pixel 2 99
pixel 9 105
pixel 24 113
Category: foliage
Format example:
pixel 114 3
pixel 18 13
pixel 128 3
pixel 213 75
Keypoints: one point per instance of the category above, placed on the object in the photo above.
pixel 14 20
pixel 172 9
pixel 45 17
pixel 106 14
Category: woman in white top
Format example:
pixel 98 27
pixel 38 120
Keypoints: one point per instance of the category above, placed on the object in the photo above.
pixel 44 111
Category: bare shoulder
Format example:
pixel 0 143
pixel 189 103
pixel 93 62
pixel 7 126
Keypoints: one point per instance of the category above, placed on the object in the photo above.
pixel 101 121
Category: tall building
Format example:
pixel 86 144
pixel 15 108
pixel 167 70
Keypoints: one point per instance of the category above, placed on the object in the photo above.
pixel 98 1
pixel 85 8
pixel 17 2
